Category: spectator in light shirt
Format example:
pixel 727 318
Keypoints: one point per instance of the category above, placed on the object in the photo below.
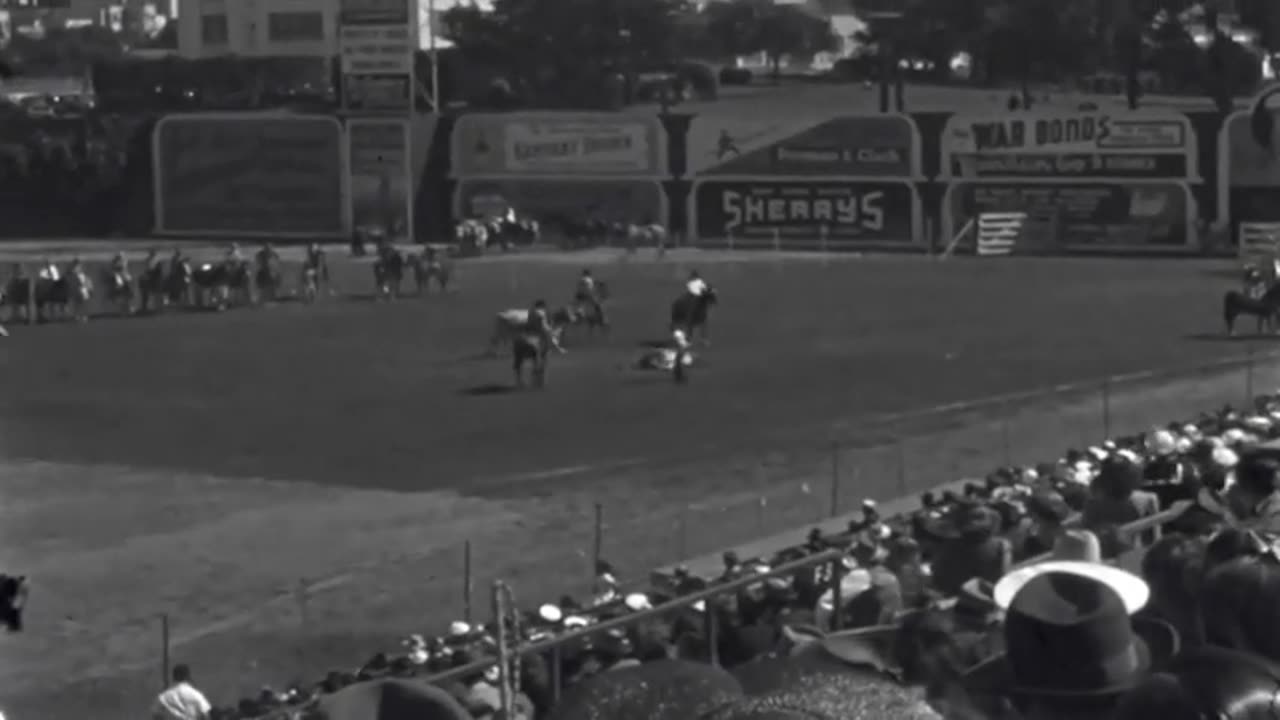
pixel 181 700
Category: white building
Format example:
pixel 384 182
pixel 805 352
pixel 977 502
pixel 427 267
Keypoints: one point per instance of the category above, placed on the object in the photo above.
pixel 209 28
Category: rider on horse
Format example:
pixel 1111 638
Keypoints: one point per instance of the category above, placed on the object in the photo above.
pixel 49 271
pixel 1255 282
pixel 120 271
pixel 266 256
pixel 588 294
pixel 695 286
pixel 539 325
pixel 315 262
pixel 234 259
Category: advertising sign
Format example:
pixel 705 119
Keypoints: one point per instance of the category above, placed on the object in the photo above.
pixel 1083 216
pixel 375 49
pixel 1074 144
pixel 803 210
pixel 559 143
pixel 885 146
pixel 380 183
pixel 1248 172
pixel 248 175
pixel 376 41
pixel 549 200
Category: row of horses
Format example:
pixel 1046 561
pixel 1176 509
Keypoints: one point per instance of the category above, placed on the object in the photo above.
pixel 690 314
pixel 475 234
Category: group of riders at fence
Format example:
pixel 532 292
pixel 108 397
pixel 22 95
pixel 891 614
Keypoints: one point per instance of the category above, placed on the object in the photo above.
pixel 509 229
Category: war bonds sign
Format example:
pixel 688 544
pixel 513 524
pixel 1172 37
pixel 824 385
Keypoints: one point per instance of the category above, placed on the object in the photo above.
pixel 1122 144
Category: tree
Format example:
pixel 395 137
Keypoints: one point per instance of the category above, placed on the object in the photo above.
pixel 561 49
pixel 750 26
pixel 68 51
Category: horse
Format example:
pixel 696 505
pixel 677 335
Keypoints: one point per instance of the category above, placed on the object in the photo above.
pixel 529 347
pixel 592 312
pixel 17 296
pixel 13 599
pixel 120 291
pixel 78 293
pixel 520 231
pixel 214 283
pixel 1265 308
pixel 651 234
pixel 472 236
pixel 427 268
pixel 510 324
pixel 388 273
pixel 691 312
pixel 269 281
pixel 151 288
pixel 179 283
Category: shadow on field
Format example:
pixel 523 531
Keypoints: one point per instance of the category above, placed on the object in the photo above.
pixel 1222 337
pixel 488 389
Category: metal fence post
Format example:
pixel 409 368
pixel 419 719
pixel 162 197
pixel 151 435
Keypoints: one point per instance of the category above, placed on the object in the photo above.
pixel 834 510
pixel 468 583
pixel 1248 375
pixel 31 306
pixel 712 630
pixel 902 466
pixel 164 650
pixel 1106 409
pixel 597 547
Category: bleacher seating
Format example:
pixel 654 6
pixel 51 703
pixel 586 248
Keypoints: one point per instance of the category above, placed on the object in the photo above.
pixel 1178 475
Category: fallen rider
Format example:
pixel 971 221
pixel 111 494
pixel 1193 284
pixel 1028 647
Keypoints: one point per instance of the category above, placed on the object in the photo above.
pixel 674 356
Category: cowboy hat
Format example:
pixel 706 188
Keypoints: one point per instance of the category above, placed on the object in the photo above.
pixel 636 602
pixel 458 629
pixel 1161 443
pixel 550 613
pixel 1080 545
pixel 975 600
pixel 1069 635
pixel 1132 590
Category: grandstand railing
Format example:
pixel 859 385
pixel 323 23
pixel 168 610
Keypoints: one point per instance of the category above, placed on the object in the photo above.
pixel 553 646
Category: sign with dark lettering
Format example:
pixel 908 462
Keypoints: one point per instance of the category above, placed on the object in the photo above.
pixel 1145 144
pixel 845 211
pixel 249 174
pixel 1083 216
pixel 881 146
pixel 559 143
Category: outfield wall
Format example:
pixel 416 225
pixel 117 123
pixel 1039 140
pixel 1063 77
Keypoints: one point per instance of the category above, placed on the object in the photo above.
pixel 1090 181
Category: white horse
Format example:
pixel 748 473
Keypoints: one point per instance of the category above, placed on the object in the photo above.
pixel 510 324
pixel 651 234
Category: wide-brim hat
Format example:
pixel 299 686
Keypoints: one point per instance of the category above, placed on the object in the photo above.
pixel 1155 642
pixel 1069 631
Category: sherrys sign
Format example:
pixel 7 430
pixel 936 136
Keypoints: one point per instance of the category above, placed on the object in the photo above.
pixel 249 175
pixel 599 144
pixel 1147 144
pixel 804 211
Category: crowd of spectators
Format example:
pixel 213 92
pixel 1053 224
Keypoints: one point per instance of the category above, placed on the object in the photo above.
pixel 1134 579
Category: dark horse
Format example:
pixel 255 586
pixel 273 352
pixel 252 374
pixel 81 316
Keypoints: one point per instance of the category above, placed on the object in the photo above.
pixel 49 297
pixel 388 272
pixel 530 348
pixel 214 283
pixel 1265 308
pixel 590 311
pixel 13 598
pixel 690 312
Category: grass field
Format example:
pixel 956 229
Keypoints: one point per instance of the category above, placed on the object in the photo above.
pixel 204 465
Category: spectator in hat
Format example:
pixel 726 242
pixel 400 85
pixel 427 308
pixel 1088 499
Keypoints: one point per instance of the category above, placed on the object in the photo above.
pixel 1048 512
pixel 878 604
pixel 970 548
pixel 1173 568
pixel 1115 498
pixel 1207 683
pixel 732 566
pixel 1071 645
pixel 1238 608
pixel 1253 498
pixel 181 700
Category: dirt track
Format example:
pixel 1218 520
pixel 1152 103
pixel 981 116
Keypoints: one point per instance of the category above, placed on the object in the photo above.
pixel 260 447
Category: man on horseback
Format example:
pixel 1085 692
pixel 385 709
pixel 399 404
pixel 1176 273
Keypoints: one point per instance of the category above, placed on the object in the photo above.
pixel 315 271
pixel 588 295
pixel 267 270
pixel 539 325
pixel 49 271
pixel 120 272
pixel 695 286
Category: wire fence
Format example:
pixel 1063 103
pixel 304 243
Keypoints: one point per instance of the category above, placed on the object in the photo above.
pixel 420 593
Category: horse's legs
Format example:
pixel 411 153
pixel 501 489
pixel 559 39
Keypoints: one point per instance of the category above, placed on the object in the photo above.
pixel 517 366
